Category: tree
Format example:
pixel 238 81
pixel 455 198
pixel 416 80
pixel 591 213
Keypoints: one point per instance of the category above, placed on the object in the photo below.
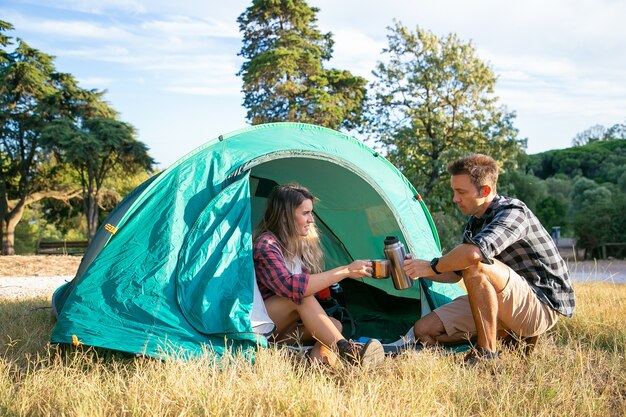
pixel 97 147
pixel 283 75
pixel 585 193
pixel 27 82
pixel 601 161
pixel 433 102
pixel 528 188
pixel 593 134
pixel 597 222
pixel 616 132
pixel 57 220
pixel 599 133
pixel 34 97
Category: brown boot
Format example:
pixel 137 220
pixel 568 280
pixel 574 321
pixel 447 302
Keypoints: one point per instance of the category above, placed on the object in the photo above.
pixel 370 354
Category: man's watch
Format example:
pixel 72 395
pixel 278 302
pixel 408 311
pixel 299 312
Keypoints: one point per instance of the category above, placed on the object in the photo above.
pixel 433 265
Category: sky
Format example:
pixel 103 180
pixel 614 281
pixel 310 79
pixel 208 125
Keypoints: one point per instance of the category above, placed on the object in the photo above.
pixel 169 67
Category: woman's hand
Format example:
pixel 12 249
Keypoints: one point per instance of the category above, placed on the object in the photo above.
pixel 357 269
pixel 360 269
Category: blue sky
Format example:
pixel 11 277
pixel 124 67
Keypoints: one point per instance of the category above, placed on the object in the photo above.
pixel 169 67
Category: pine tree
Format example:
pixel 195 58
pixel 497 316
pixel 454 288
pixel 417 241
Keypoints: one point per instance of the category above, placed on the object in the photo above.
pixel 283 75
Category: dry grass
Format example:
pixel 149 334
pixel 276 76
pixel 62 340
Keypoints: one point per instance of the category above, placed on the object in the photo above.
pixel 38 265
pixel 578 369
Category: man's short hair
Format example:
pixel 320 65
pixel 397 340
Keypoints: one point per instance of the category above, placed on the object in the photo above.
pixel 482 169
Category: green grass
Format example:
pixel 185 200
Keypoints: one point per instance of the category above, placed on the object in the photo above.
pixel 578 369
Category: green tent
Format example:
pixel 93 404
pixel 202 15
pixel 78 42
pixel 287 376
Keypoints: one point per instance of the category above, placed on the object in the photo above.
pixel 170 272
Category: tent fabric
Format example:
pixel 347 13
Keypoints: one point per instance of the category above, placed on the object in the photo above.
pixel 171 272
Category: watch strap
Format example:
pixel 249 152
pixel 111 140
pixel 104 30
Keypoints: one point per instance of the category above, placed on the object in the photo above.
pixel 433 265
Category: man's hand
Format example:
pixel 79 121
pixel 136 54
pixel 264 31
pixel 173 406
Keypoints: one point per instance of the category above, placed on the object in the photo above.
pixel 416 268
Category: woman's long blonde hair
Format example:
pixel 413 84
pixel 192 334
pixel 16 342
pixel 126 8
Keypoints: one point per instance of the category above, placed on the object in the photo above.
pixel 279 219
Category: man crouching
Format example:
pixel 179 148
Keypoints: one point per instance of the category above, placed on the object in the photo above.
pixel 517 282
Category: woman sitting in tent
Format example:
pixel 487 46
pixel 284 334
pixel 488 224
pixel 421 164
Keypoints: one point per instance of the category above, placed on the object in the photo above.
pixel 288 265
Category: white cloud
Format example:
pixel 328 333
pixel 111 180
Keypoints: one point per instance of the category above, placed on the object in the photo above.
pixel 355 50
pixel 167 49
pixel 114 54
pixel 67 30
pixel 560 64
pixel 533 64
pixel 92 6
pixel 218 64
pixel 191 27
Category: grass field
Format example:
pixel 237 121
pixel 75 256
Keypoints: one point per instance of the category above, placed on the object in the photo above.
pixel 578 369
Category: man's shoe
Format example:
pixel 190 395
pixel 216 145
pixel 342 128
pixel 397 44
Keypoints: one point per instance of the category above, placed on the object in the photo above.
pixel 479 356
pixel 370 354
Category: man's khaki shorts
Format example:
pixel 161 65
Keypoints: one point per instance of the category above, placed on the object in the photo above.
pixel 519 311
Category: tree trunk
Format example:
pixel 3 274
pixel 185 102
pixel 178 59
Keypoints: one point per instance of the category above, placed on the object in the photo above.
pixel 14 211
pixel 8 230
pixel 7 239
pixel 4 209
pixel 92 215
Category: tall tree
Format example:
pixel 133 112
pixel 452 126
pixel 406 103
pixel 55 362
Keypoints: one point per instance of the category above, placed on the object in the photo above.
pixel 615 132
pixel 27 82
pixel 432 102
pixel 35 102
pixel 593 134
pixel 97 147
pixel 283 75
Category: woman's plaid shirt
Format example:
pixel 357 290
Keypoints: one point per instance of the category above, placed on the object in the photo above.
pixel 271 271
pixel 511 233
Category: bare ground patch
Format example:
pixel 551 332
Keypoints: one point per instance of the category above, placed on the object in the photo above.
pixel 35 276
pixel 38 265
pixel 40 275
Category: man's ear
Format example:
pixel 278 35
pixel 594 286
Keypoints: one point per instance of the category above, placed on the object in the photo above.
pixel 485 190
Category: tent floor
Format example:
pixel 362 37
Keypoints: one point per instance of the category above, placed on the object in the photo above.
pixel 376 314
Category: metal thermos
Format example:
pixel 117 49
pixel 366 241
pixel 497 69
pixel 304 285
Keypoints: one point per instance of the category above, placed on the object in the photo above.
pixel 394 252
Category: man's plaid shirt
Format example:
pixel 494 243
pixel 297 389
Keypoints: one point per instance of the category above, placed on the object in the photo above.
pixel 511 233
pixel 271 271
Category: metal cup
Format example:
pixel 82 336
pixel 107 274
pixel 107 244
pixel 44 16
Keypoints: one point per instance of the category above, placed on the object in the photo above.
pixel 380 268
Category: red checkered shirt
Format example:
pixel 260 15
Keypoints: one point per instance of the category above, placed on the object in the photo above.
pixel 271 271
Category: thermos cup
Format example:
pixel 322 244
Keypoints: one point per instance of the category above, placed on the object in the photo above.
pixel 394 252
pixel 380 268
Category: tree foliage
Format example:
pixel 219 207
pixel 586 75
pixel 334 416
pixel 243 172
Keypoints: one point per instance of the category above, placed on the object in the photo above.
pixel 597 219
pixel 96 147
pixel 548 199
pixel 601 161
pixel 433 102
pixel 527 188
pixel 616 132
pixel 28 87
pixel 598 132
pixel 283 75
pixel 593 134
pixel 586 191
pixel 33 97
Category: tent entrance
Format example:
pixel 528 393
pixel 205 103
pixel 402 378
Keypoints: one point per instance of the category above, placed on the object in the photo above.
pixel 353 220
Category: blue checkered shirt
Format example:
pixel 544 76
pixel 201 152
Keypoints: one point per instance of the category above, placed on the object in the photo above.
pixel 511 233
